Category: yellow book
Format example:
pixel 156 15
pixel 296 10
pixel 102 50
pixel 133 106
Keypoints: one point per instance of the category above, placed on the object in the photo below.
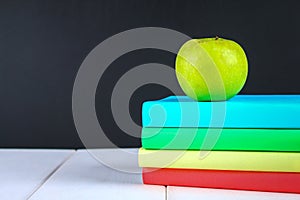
pixel 221 160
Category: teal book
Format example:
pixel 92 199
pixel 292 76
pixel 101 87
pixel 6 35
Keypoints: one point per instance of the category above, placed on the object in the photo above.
pixel 241 111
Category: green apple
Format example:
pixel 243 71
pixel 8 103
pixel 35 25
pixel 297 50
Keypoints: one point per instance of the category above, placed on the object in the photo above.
pixel 211 69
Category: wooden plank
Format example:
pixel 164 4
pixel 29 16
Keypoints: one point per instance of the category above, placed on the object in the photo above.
pixel 83 177
pixel 190 193
pixel 23 171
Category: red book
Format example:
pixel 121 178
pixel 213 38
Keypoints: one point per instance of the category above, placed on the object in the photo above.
pixel 238 180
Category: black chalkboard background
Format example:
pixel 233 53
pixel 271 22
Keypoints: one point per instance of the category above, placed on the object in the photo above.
pixel 43 43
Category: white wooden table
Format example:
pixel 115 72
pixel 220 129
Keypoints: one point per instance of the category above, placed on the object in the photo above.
pixel 69 174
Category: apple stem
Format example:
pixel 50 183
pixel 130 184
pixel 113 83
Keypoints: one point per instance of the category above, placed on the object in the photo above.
pixel 216 38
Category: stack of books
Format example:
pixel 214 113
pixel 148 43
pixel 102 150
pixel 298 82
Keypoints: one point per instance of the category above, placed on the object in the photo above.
pixel 257 146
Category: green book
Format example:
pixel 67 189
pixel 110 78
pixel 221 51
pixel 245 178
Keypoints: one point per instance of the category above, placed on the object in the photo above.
pixel 221 139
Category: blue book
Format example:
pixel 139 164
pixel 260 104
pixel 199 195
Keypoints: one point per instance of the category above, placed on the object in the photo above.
pixel 241 111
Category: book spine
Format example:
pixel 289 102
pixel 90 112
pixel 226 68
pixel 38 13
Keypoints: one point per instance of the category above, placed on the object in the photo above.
pixel 237 180
pixel 228 139
pixel 236 115
pixel 221 160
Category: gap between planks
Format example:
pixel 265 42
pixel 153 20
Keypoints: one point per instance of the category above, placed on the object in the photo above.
pixel 50 174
